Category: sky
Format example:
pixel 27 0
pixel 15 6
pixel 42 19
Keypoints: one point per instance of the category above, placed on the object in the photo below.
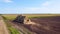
pixel 29 6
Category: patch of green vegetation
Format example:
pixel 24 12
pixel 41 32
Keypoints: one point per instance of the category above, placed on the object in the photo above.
pixel 10 17
pixel 13 30
pixel 39 16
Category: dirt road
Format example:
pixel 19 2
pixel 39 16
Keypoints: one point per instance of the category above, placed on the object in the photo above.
pixel 3 28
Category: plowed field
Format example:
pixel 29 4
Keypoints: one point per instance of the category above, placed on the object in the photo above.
pixel 47 25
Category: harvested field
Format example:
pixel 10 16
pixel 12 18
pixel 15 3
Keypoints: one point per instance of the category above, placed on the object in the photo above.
pixel 48 25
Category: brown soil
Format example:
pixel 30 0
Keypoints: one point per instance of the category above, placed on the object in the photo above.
pixel 48 25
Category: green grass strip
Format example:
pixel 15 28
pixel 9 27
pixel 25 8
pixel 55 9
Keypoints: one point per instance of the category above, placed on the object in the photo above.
pixel 13 30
